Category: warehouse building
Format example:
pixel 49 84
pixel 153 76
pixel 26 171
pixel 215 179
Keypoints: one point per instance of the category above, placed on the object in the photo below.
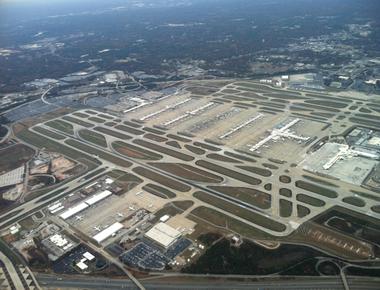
pixel 163 235
pixel 83 205
pixel 108 232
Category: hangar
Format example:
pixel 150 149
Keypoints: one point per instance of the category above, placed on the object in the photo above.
pixel 106 233
pixel 163 234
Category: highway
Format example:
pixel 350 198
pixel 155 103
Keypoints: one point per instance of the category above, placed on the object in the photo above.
pixel 105 254
pixel 6 135
pixel 316 283
pixel 44 94
pixel 12 272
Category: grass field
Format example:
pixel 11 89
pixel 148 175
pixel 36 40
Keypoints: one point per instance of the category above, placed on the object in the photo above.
pixel 228 172
pixel 42 142
pixel 164 150
pixel 183 204
pixel 80 114
pixel 257 170
pixel 195 150
pixel 104 155
pixel 320 181
pixel 133 151
pixel 354 201
pixel 248 215
pixel 14 156
pixel 108 117
pixel 62 126
pixel 316 189
pixel 161 179
pixel 159 191
pixel 246 194
pixel 77 121
pixel 188 172
pixel 310 200
pixel 155 137
pixel 93 137
pixel 129 130
pixel 97 120
pixel 222 158
pixel 285 208
pixel 112 133
pixel 217 218
pixel 48 133
pixel 286 192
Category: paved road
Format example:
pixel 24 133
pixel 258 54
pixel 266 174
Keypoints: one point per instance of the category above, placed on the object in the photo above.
pixel 100 250
pixel 30 206
pixel 6 135
pixel 44 94
pixel 12 271
pixel 317 283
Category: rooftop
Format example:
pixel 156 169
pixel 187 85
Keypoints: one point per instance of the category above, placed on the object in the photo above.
pixel 163 234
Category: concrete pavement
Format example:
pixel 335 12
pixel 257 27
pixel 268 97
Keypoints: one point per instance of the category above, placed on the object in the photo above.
pixel 290 283
pixel 12 272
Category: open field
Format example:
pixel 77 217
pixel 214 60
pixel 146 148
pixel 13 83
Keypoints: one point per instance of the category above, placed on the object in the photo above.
pixel 62 126
pixel 161 179
pixel 310 200
pixel 164 150
pixel 188 172
pixel 154 137
pixel 211 216
pixel 133 151
pixel 316 189
pixel 129 130
pixel 334 242
pixel 249 195
pixel 42 142
pixel 77 121
pixel 112 133
pixel 97 120
pixel 257 170
pixel 240 212
pixel 233 174
pixel 159 190
pixel 223 158
pixel 14 156
pixel 97 152
pixel 48 133
pixel 93 137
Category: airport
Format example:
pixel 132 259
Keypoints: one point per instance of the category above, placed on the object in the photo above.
pixel 184 160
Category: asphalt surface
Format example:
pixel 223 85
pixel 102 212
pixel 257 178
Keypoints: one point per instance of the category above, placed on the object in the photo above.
pixel 30 206
pixel 315 283
pixel 12 272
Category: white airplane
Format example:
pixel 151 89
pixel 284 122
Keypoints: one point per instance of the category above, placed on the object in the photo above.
pixel 120 214
pixel 97 229
pixel 138 193
pixel 79 218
